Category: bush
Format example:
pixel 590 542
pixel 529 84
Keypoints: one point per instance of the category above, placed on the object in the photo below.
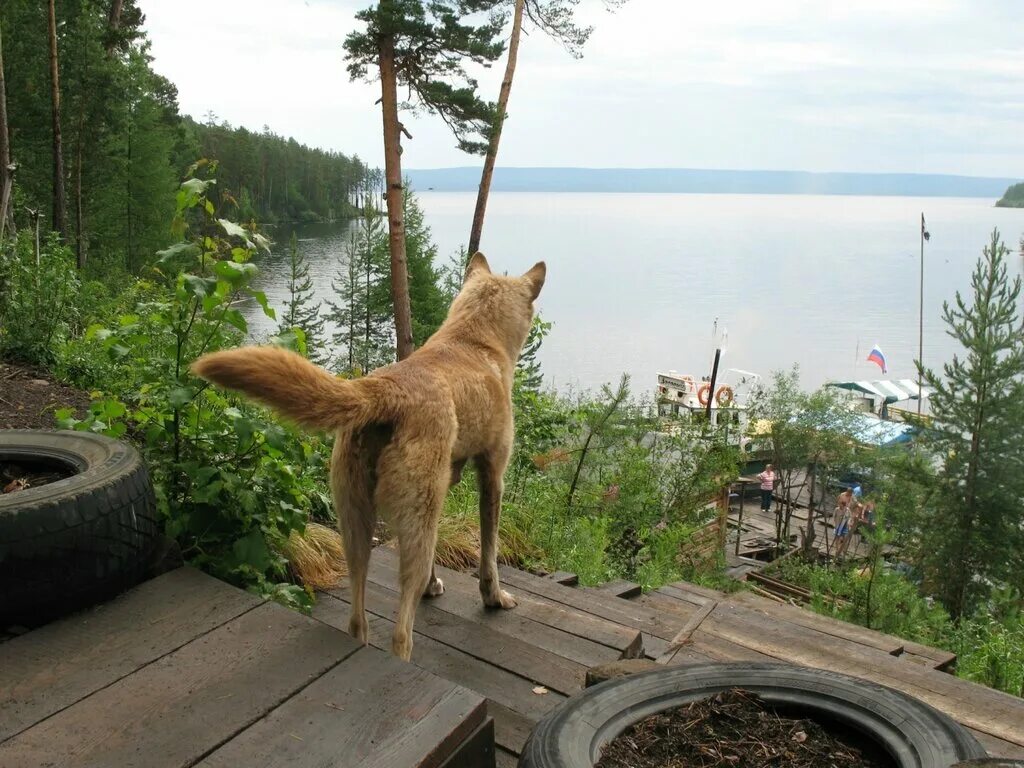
pixel 39 295
pixel 232 482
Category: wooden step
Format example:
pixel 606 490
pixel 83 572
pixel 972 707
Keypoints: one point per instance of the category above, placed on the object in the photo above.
pixel 806 618
pixel 621 588
pixel 539 666
pixel 518 707
pixel 564 577
pixel 535 619
pixel 626 613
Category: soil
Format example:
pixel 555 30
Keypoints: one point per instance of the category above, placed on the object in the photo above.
pixel 21 475
pixel 733 729
pixel 28 398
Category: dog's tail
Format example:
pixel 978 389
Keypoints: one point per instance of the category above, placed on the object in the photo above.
pixel 302 392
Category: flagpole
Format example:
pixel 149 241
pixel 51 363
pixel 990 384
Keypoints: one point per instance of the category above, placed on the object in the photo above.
pixel 920 326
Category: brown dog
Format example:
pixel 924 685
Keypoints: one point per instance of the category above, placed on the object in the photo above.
pixel 405 431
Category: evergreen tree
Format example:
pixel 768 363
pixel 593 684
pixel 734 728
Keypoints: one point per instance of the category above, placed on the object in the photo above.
pixel 423 46
pixel 362 315
pixel 427 300
pixel 971 529
pixel 301 310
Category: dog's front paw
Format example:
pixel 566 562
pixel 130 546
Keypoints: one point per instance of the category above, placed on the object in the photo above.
pixel 502 600
pixel 434 588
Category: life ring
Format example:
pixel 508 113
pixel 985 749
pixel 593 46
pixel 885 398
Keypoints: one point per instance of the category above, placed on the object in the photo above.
pixel 704 394
pixel 724 396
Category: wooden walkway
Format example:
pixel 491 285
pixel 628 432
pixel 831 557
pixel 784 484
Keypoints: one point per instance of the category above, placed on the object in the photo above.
pixel 526 661
pixel 186 670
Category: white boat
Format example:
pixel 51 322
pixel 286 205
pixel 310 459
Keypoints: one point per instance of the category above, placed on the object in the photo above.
pixel 684 397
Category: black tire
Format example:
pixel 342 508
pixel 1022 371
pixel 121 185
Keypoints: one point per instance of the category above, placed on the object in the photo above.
pixel 77 541
pixel 913 733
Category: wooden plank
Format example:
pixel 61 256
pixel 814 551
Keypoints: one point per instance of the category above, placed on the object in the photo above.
pixel 482 642
pixel 564 577
pixel 983 709
pixel 688 629
pixel 936 658
pixel 371 710
pixel 510 691
pixel 698 591
pixel 998 747
pixel 505 759
pixel 51 668
pixel 511 728
pixel 624 612
pixel 621 588
pixel 477 751
pixel 681 595
pixel 679 611
pixel 543 625
pixel 175 710
pixel 835 627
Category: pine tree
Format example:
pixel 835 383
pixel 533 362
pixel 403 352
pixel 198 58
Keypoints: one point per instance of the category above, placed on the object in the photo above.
pixel 301 311
pixel 427 300
pixel 362 315
pixel 423 46
pixel 971 531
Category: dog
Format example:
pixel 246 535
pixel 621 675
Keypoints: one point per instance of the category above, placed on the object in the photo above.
pixel 405 432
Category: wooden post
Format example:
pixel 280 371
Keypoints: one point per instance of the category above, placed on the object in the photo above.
pixel 714 378
pixel 739 521
pixel 723 517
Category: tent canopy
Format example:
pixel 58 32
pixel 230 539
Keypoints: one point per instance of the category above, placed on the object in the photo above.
pixel 888 391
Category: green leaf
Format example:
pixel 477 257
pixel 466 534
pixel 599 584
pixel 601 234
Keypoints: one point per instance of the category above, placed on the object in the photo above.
pixel 180 396
pixel 234 272
pixel 235 318
pixel 234 230
pixel 261 299
pixel 199 286
pixel 252 550
pixel 98 332
pixel 178 250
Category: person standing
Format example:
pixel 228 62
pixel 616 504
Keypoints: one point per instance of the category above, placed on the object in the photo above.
pixel 767 479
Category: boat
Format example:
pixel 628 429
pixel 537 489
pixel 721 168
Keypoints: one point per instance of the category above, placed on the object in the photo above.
pixel 682 398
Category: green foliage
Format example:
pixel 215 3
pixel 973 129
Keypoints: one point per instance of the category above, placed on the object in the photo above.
pixel 362 315
pixel 432 41
pixel 1013 197
pixel 39 295
pixel 970 528
pixel 231 481
pixel 809 432
pixel 300 312
pixel 278 179
pixel 427 301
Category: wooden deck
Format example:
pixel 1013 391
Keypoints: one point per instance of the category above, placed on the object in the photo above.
pixel 559 630
pixel 186 670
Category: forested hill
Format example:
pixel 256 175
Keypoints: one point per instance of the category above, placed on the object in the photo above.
pixel 275 178
pixel 106 178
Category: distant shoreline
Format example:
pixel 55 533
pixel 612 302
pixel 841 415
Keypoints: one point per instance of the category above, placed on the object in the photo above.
pixel 685 180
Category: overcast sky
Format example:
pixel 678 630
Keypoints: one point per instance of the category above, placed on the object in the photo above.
pixel 924 86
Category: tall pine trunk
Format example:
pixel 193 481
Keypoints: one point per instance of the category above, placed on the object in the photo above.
pixel 60 217
pixel 499 121
pixel 6 167
pixel 113 24
pixel 396 219
pixel 79 215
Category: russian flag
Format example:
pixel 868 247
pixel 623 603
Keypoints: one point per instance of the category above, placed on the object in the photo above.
pixel 877 358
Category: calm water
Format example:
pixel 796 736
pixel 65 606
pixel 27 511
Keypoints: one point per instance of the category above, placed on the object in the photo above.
pixel 636 281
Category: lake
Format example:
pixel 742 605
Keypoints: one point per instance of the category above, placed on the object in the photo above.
pixel 636 281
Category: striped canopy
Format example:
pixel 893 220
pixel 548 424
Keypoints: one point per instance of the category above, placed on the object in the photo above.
pixel 888 391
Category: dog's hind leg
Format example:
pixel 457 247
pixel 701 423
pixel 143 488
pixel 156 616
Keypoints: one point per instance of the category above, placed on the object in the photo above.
pixel 491 471
pixel 412 481
pixel 354 508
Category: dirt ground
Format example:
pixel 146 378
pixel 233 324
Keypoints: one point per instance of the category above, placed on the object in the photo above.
pixel 29 397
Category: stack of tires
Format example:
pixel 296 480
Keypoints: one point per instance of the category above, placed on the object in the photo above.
pixel 80 540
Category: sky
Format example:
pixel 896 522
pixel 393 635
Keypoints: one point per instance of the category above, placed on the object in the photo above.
pixel 911 86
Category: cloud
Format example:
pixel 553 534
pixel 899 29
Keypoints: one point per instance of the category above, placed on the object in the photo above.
pixel 918 85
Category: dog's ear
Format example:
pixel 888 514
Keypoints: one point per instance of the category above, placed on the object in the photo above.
pixel 477 262
pixel 535 278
